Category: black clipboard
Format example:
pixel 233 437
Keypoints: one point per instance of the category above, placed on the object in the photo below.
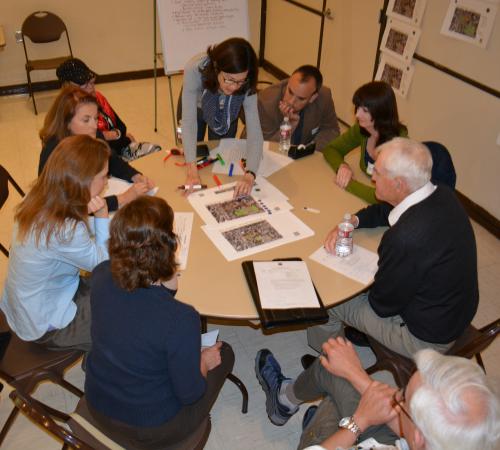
pixel 272 318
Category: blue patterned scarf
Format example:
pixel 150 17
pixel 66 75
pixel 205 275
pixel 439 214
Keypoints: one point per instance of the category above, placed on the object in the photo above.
pixel 220 110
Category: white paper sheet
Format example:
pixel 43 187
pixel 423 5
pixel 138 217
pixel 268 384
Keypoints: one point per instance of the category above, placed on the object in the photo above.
pixel 284 285
pixel 217 206
pixel 117 186
pixel 233 150
pixel 360 266
pixel 183 225
pixel 209 338
pixel 241 240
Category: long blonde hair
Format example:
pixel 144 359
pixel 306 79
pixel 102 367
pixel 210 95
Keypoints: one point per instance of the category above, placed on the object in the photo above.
pixel 62 191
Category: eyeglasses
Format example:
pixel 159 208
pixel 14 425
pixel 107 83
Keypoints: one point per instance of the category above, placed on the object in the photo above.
pixel 397 400
pixel 231 82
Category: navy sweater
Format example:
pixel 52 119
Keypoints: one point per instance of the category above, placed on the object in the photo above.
pixel 145 359
pixel 427 269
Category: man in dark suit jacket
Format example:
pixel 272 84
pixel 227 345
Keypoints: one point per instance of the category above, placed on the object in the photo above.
pixel 307 103
pixel 425 291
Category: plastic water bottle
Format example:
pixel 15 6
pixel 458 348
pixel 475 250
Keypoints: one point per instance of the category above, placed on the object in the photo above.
pixel 285 135
pixel 343 244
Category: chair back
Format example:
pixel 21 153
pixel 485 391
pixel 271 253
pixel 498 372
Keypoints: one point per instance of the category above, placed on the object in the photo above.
pixel 48 418
pixel 443 170
pixel 474 341
pixel 42 27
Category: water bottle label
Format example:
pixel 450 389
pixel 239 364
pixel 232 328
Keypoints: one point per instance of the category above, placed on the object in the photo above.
pixel 344 233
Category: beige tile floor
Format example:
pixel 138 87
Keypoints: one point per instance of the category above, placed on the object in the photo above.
pixel 19 150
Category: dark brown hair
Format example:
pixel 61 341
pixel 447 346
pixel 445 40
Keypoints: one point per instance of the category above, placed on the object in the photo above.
pixel 379 99
pixel 61 112
pixel 62 191
pixel 142 243
pixel 234 55
pixel 307 72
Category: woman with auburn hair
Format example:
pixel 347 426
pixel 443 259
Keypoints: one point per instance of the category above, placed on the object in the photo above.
pixel 75 112
pixel 45 299
pixel 377 121
pixel 148 384
pixel 217 85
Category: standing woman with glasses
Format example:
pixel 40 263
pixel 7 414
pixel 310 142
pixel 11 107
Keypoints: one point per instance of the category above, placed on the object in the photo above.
pixel 217 84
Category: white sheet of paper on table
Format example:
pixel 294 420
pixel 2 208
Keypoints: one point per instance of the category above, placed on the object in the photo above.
pixel 117 186
pixel 233 150
pixel 279 229
pixel 269 199
pixel 284 285
pixel 360 266
pixel 183 225
pixel 209 338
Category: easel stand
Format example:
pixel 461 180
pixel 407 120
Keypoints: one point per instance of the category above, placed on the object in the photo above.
pixel 157 55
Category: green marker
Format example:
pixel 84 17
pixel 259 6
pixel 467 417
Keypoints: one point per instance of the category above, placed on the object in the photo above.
pixel 219 157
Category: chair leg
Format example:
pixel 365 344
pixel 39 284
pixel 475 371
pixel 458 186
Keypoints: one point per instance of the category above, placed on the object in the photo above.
pixel 8 424
pixel 233 378
pixel 480 361
pixel 30 89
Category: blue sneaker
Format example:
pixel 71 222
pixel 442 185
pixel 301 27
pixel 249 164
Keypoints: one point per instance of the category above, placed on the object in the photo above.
pixel 269 374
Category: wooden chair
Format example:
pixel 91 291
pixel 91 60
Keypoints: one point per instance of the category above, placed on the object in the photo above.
pixel 26 364
pixel 43 27
pixel 48 418
pixel 470 344
pixel 82 433
pixel 5 179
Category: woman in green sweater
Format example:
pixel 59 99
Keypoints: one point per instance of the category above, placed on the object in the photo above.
pixel 377 122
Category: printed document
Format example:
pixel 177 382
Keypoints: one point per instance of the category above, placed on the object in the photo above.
pixel 360 266
pixel 285 285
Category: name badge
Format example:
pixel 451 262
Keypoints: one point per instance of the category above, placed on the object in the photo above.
pixel 369 168
pixel 315 131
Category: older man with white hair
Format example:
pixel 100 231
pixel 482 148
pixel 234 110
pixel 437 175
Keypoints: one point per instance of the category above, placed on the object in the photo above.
pixel 448 404
pixel 425 291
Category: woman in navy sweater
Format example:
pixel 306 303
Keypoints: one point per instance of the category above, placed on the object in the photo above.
pixel 149 384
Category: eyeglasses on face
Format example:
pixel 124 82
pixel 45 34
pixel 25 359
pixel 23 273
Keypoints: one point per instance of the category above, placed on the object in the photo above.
pixel 231 82
pixel 398 399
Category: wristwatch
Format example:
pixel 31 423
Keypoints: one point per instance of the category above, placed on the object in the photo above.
pixel 349 424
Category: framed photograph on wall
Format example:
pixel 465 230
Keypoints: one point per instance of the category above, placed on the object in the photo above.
pixel 400 40
pixel 396 73
pixel 470 21
pixel 409 11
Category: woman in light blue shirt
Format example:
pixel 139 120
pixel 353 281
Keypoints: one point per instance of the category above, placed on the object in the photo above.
pixel 45 299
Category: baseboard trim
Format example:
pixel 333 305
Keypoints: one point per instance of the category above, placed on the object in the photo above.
pixel 50 85
pixel 480 215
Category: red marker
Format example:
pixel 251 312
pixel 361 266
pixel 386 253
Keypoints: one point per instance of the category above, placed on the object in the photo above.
pixel 217 181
